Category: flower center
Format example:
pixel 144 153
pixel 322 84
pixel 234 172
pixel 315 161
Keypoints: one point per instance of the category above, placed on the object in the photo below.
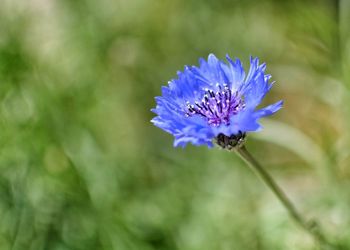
pixel 217 107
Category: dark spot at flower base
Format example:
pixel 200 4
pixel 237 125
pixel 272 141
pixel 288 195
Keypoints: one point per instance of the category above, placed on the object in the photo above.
pixel 230 142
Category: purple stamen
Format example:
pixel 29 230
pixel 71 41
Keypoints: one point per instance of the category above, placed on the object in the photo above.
pixel 217 107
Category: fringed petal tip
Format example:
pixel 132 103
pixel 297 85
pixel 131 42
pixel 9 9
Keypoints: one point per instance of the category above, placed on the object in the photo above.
pixel 269 110
pixel 183 141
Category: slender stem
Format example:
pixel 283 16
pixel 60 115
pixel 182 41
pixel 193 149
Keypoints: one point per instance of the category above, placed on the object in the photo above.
pixel 311 226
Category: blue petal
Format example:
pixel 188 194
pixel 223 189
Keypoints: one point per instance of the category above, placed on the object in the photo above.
pixel 182 141
pixel 235 73
pixel 269 110
pixel 256 85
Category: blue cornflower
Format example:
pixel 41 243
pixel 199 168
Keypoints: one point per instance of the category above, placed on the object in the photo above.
pixel 214 102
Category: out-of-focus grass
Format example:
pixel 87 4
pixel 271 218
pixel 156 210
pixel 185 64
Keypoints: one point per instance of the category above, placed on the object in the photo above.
pixel 81 166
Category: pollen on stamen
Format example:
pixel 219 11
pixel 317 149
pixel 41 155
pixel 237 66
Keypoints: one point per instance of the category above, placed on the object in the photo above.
pixel 216 107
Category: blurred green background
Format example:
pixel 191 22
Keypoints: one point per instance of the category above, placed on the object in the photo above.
pixel 81 166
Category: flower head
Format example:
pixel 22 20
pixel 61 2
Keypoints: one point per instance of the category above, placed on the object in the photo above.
pixel 215 101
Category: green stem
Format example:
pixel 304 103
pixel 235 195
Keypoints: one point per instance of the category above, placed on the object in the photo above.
pixel 311 226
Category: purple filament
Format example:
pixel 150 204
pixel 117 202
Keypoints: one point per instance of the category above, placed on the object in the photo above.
pixel 217 107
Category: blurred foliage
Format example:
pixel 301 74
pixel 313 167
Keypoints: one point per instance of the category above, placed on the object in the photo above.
pixel 81 166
